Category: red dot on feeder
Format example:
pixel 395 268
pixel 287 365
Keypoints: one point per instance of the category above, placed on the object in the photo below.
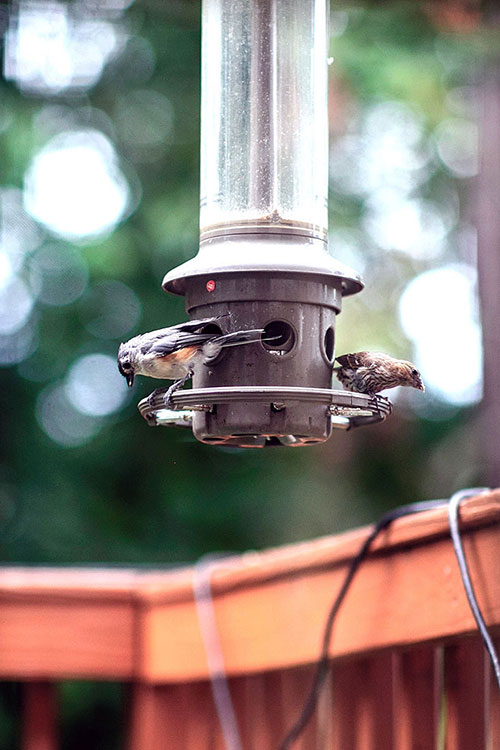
pixel 210 285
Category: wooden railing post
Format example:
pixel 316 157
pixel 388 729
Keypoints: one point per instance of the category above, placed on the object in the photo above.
pixel 143 718
pixel 39 717
pixel 173 716
pixel 417 698
pixel 466 681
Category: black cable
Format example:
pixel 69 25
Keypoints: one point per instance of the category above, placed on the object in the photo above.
pixel 404 510
pixel 322 663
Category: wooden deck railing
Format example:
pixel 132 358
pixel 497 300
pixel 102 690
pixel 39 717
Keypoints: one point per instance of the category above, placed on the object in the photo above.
pixel 408 670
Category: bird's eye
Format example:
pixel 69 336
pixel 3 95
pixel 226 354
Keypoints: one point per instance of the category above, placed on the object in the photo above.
pixel 124 366
pixel 414 373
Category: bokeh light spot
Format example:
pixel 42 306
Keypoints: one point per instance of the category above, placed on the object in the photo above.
pixel 16 303
pixel 59 274
pixel 415 227
pixel 95 387
pixel 110 309
pixel 61 421
pixel 457 143
pixel 389 151
pixel 74 185
pixel 439 313
pixel 50 49
pixel 17 347
pixel 19 234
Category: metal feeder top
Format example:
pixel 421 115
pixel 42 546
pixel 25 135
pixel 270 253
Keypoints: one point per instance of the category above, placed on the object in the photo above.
pixel 271 250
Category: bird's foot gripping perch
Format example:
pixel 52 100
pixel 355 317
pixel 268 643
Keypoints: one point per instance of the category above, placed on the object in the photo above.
pixel 169 404
pixel 149 413
pixel 160 398
pixel 151 419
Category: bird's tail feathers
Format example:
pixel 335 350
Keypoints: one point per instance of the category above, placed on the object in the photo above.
pixel 239 337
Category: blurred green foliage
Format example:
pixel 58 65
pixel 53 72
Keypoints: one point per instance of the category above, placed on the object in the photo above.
pixel 135 495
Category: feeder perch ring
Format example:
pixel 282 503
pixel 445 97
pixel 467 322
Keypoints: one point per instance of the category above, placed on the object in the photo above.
pixel 347 409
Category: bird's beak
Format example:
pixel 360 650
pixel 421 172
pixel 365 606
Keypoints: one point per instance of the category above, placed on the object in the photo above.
pixel 421 387
pixel 130 379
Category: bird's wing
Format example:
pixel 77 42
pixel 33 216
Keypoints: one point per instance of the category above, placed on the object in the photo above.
pixel 188 325
pixel 193 325
pixel 167 337
pixel 353 361
pixel 365 359
pixel 174 341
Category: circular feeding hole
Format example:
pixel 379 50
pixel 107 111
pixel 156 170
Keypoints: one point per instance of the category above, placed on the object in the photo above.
pixel 278 337
pixel 330 344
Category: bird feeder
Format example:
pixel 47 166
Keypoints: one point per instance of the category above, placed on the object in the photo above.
pixel 263 253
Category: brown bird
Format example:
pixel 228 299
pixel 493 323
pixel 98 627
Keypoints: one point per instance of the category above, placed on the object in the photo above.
pixel 371 372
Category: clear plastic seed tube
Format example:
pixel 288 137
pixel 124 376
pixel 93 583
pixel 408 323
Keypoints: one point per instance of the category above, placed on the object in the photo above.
pixel 264 120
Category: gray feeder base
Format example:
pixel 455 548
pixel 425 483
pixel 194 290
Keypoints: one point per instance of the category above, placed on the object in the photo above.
pixel 289 416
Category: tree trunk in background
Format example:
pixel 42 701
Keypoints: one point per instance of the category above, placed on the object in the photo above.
pixel 488 223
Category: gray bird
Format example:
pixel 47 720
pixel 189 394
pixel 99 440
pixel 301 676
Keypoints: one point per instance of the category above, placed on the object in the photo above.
pixel 371 372
pixel 174 353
